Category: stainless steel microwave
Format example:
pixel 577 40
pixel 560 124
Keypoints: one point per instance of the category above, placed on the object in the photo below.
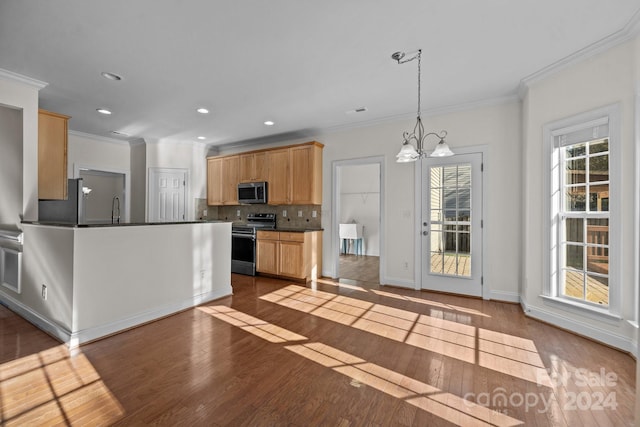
pixel 252 192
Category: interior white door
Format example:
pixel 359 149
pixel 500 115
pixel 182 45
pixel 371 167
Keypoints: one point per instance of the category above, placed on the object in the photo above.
pixel 167 195
pixel 452 224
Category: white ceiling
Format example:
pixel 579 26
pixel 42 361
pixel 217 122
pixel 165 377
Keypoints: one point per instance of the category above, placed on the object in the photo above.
pixel 300 63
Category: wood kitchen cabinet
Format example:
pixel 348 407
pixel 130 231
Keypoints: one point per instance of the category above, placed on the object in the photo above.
pixel 230 179
pixel 279 192
pixel 52 155
pixel 222 180
pixel 306 175
pixel 253 167
pixel 293 174
pixel 214 181
pixel 295 255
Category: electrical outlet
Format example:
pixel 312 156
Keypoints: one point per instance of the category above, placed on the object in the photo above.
pixel 299 214
pixel 406 265
pixel 314 214
pixel 284 213
pixel 44 292
pixel 238 213
pixel 205 212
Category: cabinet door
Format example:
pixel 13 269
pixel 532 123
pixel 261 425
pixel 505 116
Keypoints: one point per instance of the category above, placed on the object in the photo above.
pixel 214 181
pixel 306 175
pixel 260 167
pixel 230 175
pixel 292 262
pixel 247 166
pixel 253 167
pixel 279 187
pixel 52 155
pixel 267 256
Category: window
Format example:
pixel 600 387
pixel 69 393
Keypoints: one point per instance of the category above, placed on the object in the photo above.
pixel 584 220
pixel 583 237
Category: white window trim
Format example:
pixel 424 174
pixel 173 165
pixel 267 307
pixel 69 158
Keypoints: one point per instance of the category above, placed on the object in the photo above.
pixel 552 204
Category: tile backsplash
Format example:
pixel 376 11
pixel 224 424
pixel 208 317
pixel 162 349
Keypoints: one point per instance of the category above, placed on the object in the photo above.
pixel 297 216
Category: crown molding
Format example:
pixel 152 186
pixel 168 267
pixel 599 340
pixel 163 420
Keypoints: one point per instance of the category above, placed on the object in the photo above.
pixel 19 78
pixel 626 33
pixel 98 138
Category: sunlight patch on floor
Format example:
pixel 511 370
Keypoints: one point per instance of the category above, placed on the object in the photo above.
pixel 52 387
pixel 497 351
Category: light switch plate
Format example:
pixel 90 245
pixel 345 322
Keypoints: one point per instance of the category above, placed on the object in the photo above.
pixel 299 214
pixel 314 214
pixel 284 213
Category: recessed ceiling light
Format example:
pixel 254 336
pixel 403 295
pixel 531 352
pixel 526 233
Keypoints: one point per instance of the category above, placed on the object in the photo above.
pixel 202 111
pixel 202 137
pixel 103 111
pixel 269 123
pixel 111 76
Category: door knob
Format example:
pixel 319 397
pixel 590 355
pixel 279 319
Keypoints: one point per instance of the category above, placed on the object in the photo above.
pixel 425 233
pixel 425 224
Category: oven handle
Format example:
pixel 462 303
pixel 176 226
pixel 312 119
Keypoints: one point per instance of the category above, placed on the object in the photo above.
pixel 244 236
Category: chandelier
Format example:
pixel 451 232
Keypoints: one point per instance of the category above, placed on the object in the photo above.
pixel 409 152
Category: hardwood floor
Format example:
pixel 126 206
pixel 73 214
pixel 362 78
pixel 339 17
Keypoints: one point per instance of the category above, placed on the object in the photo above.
pixel 360 267
pixel 328 353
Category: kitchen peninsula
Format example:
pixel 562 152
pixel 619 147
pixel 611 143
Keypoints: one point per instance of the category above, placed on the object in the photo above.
pixel 83 282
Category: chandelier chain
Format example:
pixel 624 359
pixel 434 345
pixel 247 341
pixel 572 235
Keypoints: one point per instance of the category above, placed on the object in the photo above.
pixel 419 78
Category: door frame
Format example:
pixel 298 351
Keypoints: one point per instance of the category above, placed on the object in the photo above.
pixel 188 208
pixel 481 149
pixel 335 211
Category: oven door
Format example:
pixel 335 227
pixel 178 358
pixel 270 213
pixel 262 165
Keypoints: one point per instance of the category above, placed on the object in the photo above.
pixel 243 254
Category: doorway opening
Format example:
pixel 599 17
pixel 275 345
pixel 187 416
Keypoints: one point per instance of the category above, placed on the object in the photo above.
pixel 357 219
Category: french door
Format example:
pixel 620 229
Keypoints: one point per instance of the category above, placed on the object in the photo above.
pixel 451 224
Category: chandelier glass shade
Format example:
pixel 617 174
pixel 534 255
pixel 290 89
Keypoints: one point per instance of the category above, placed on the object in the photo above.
pixel 413 145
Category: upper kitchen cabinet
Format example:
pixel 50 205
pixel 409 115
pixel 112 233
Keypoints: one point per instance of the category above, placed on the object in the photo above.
pixel 253 167
pixel 214 181
pixel 231 174
pixel 295 175
pixel 306 174
pixel 52 155
pixel 279 190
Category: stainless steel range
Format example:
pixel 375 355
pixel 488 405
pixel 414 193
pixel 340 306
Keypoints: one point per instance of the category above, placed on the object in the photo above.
pixel 243 242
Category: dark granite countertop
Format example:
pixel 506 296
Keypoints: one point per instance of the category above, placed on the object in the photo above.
pixel 122 224
pixel 298 230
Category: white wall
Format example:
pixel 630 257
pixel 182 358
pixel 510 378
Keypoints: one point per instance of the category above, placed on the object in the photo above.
pixel 10 166
pixel 97 153
pixel 360 202
pixel 604 79
pixel 24 96
pixel 495 126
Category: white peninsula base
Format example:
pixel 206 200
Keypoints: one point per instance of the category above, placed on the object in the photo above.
pixel 83 283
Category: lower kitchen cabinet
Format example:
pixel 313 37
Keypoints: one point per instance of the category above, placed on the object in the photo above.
pixel 289 254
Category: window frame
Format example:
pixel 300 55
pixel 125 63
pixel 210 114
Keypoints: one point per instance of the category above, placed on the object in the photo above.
pixel 553 199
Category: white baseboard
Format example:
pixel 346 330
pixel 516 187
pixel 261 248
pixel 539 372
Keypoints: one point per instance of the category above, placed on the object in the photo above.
pixel 618 341
pixel 36 319
pixel 79 337
pixel 402 283
pixel 504 296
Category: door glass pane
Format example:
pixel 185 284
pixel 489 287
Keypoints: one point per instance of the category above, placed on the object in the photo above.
pixel 599 146
pixel 450 212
